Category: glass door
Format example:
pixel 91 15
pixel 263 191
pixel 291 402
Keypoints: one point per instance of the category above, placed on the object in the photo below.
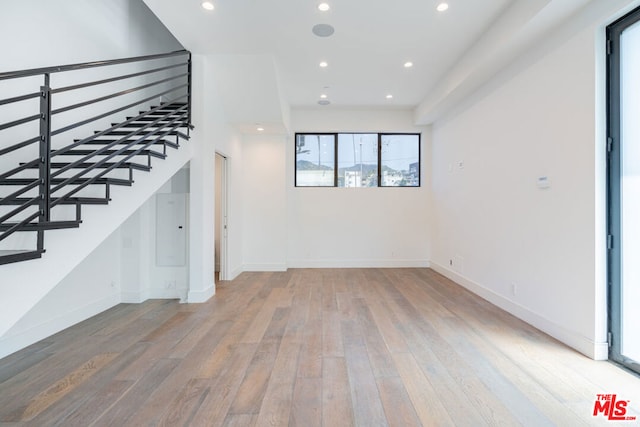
pixel 623 46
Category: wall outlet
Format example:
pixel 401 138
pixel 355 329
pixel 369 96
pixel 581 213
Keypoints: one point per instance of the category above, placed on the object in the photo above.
pixel 514 289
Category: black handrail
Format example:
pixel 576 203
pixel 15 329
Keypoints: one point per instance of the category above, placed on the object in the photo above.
pixel 19 98
pixel 85 65
pixel 97 158
pixel 113 79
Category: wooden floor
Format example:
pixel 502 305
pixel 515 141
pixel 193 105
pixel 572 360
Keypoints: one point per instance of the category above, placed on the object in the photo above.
pixel 365 347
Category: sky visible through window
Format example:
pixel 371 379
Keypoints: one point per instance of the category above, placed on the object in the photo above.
pixel 357 160
pixel 315 160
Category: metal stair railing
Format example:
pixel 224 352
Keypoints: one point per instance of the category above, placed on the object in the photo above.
pixel 56 113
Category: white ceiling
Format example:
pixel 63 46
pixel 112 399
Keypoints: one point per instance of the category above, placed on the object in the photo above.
pixel 266 57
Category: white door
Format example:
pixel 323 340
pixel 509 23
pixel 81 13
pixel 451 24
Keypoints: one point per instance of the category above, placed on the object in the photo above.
pixel 171 230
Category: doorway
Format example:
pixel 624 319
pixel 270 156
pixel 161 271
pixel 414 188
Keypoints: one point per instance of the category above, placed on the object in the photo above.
pixel 623 146
pixel 221 218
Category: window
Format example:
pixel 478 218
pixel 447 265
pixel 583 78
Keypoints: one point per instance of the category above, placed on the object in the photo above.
pixel 400 160
pixel 357 160
pixel 315 160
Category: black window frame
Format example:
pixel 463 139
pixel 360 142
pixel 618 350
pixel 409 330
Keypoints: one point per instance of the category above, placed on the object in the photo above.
pixel 614 197
pixel 335 160
pixel 380 135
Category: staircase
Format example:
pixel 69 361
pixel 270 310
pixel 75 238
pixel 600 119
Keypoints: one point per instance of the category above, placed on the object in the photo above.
pixel 53 162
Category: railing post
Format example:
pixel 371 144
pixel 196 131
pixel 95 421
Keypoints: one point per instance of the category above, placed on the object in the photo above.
pixel 189 91
pixel 44 166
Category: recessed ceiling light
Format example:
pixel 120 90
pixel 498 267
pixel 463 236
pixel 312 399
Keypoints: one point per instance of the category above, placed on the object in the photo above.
pixel 323 7
pixel 260 129
pixel 408 64
pixel 207 5
pixel 324 64
pixel 323 96
pixel 389 96
pixel 442 7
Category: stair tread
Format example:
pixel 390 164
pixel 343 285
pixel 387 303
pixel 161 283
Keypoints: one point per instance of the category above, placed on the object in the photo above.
pixel 85 165
pixel 10 256
pixel 136 125
pixel 129 141
pixel 56 181
pixel 145 134
pixel 155 115
pixel 140 134
pixel 81 152
pixel 173 105
pixel 5 252
pixel 35 226
pixel 68 201
pixel 152 116
pixel 161 123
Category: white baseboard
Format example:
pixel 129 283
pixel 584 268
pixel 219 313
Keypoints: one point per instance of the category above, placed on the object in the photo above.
pixel 591 349
pixel 12 343
pixel 265 267
pixel 201 296
pixel 137 297
pixel 234 273
pixel 165 294
pixel 358 263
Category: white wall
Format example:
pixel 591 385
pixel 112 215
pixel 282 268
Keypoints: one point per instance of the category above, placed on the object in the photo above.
pixel 41 33
pixel 265 203
pixel 93 286
pixel 535 252
pixel 357 227
pixel 216 135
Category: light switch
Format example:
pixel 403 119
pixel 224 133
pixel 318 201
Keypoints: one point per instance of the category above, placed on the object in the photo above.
pixel 543 182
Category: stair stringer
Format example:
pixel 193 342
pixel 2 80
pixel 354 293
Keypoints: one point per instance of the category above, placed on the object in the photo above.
pixel 24 284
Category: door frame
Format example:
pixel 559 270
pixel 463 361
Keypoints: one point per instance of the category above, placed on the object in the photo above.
pixel 614 152
pixel 224 220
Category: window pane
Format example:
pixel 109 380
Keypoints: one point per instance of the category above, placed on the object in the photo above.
pixel 357 160
pixel 315 160
pixel 630 193
pixel 400 158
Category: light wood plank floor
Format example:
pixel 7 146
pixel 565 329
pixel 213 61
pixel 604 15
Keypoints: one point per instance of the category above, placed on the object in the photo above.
pixel 333 347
